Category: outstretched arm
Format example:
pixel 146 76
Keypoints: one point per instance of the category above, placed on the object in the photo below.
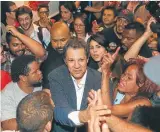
pixel 136 47
pixel 118 125
pixel 35 47
pixel 92 9
pixel 107 61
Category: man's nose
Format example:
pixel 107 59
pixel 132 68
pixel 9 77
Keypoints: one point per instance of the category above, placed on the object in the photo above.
pixel 76 64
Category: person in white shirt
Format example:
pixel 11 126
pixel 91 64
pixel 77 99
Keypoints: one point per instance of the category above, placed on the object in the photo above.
pixel 69 86
pixel 24 16
pixel 25 74
pixel 35 113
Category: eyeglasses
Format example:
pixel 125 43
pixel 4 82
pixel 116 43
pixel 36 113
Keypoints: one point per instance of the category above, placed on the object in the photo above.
pixel 79 25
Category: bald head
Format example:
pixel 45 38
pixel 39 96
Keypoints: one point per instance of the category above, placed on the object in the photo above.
pixel 60 27
pixel 60 34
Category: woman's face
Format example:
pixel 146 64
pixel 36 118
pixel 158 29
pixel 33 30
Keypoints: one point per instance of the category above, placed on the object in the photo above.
pixel 79 26
pixel 66 15
pixel 96 51
pixel 127 82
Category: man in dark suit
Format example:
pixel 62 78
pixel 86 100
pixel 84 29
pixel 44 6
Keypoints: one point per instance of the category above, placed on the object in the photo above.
pixel 69 86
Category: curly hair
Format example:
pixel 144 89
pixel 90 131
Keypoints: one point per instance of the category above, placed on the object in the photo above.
pixel 20 66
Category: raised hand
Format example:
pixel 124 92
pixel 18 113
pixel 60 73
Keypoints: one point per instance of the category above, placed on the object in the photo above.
pixel 148 29
pixel 12 30
pixel 108 60
pixel 116 53
pixel 94 125
pixel 92 97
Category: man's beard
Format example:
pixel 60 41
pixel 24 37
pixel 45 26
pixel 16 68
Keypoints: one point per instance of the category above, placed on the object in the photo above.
pixel 15 55
pixel 59 50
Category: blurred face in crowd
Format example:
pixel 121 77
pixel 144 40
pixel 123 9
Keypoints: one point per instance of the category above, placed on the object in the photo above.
pixel 129 36
pixel 96 51
pixel 25 21
pixel 153 44
pixel 127 82
pixel 34 75
pixel 16 47
pixel 120 24
pixel 76 61
pixel 79 26
pixel 60 34
pixel 43 13
pixel 152 41
pixel 66 15
pixel 11 14
pixel 2 57
pixel 108 17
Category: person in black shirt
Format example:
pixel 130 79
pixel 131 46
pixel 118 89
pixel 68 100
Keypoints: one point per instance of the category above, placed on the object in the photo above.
pixel 108 18
pixel 60 34
pixel 113 35
pixel 132 32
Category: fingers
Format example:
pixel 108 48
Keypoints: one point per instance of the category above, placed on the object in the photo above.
pixel 99 98
pixel 90 125
pixel 116 53
pixel 89 100
pixel 92 99
pixel 92 94
pixel 105 127
pixel 103 112
pixel 97 125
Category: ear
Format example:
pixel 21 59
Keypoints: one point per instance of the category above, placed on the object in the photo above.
pixel 65 61
pixel 7 14
pixel 22 77
pixel 48 126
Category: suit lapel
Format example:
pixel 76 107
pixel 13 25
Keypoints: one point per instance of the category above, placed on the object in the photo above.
pixel 87 88
pixel 70 90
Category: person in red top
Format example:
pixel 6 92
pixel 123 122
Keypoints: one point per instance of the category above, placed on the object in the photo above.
pixel 5 79
pixel 5 76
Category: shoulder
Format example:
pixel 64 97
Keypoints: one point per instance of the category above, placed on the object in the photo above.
pixel 59 72
pixel 9 91
pixel 9 88
pixel 94 73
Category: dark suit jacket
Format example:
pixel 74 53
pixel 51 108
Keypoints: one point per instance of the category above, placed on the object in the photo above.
pixel 53 61
pixel 64 95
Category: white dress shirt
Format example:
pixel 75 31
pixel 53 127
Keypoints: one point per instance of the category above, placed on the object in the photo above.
pixel 79 94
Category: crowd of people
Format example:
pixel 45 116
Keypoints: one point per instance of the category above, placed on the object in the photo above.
pixel 95 68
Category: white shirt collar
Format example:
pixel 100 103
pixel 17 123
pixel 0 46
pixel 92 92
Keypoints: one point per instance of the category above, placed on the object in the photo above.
pixel 35 27
pixel 83 80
